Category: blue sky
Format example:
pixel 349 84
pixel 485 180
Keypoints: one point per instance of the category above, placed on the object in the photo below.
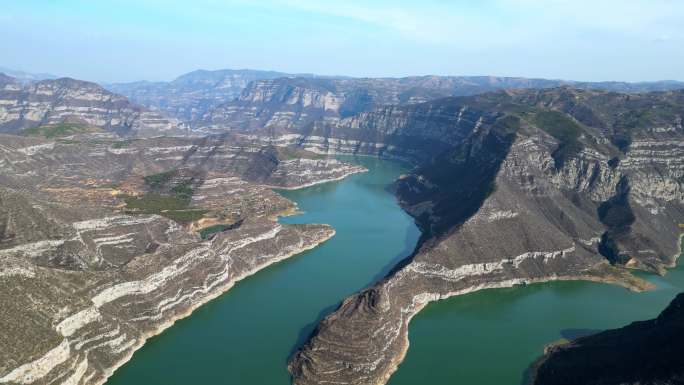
pixel 126 40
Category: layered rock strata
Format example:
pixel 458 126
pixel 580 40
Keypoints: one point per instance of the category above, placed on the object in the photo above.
pixel 293 103
pixel 545 185
pixel 85 280
pixel 190 96
pixel 55 101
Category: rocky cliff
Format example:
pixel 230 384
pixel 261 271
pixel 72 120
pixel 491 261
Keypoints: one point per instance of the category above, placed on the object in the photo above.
pixel 106 242
pixel 190 95
pixel 519 187
pixel 287 104
pixel 646 352
pixel 55 101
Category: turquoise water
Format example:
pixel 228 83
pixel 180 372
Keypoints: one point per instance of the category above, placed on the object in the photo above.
pixel 246 335
pixel 486 338
pixel 492 336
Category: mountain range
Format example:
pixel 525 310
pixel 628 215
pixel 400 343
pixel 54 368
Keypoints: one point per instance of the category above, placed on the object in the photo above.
pixel 514 181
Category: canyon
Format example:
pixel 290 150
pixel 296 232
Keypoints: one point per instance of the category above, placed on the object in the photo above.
pixel 548 191
pixel 107 241
pixel 120 218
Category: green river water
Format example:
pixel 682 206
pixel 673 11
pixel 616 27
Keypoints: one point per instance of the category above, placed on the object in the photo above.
pixel 490 337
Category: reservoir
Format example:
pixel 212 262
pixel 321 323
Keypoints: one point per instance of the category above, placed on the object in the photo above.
pixel 486 338
pixel 492 336
pixel 246 335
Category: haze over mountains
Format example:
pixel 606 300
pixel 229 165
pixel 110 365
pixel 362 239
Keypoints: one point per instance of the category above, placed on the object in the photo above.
pixel 206 95
pixel 26 76
pixel 204 98
pixel 515 181
pixel 48 102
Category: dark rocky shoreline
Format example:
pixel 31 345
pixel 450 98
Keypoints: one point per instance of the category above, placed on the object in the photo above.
pixel 644 352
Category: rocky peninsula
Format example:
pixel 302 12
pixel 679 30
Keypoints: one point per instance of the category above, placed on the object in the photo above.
pixel 108 241
pixel 528 186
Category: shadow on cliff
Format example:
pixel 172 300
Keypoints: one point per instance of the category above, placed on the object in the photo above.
pixel 568 334
pixel 309 329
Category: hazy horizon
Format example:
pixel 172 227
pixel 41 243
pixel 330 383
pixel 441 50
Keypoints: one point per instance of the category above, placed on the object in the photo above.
pixel 156 40
pixel 5 68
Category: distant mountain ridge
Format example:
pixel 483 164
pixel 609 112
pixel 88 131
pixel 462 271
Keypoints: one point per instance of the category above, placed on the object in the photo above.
pixel 294 103
pixel 203 96
pixel 24 76
pixel 191 95
pixel 65 100
pixel 518 181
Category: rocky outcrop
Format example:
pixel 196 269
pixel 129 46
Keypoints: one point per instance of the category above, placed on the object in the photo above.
pixel 106 242
pixel 411 132
pixel 65 100
pixel 292 104
pixel 645 352
pixel 191 95
pixel 539 188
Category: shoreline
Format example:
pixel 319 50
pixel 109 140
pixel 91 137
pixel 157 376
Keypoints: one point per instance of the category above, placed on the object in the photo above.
pixel 217 293
pixel 322 181
pixel 396 362
pixel 229 285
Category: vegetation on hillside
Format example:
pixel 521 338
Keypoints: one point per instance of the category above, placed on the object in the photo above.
pixel 160 179
pixel 51 131
pixel 209 231
pixel 565 130
pixel 122 143
pixel 172 202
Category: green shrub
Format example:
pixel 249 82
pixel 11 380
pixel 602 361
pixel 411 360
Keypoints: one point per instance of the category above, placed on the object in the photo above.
pixel 122 143
pixel 565 130
pixel 160 179
pixel 51 131
pixel 206 232
pixel 183 191
pixel 169 206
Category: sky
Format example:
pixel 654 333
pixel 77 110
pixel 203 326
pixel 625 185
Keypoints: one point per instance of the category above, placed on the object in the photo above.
pixel 127 40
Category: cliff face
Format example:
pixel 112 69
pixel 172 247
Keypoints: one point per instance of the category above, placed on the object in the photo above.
pixel 189 96
pixel 105 242
pixel 50 102
pixel 540 187
pixel 290 104
pixel 412 132
pixel 646 352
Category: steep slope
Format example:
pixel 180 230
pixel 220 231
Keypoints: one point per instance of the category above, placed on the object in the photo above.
pixel 106 242
pixel 190 95
pixel 290 104
pixel 65 100
pixel 646 352
pixel 535 188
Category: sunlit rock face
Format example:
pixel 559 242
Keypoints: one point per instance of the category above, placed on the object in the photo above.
pixel 108 235
pixel 65 100
pixel 288 103
pixel 85 278
pixel 191 95
pixel 538 185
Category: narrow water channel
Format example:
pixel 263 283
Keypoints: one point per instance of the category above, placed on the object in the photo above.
pixel 246 336
pixel 486 338
pixel 492 336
